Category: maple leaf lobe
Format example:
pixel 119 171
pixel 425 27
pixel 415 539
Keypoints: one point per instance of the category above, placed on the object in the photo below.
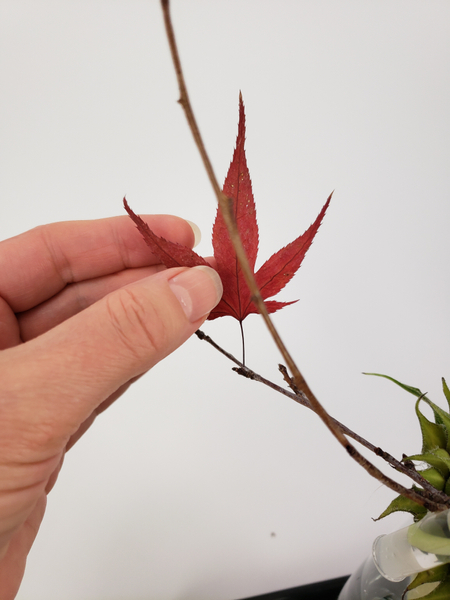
pixel 169 253
pixel 278 270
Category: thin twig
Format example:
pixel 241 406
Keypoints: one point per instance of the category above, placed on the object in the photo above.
pixel 225 205
pixel 406 468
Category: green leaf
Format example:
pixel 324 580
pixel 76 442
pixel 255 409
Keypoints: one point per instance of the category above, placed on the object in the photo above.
pixel 441 592
pixel 442 418
pixel 446 391
pixel 447 487
pixel 412 390
pixel 439 459
pixel 431 576
pixel 433 435
pixel 431 542
pixel 433 476
pixel 406 505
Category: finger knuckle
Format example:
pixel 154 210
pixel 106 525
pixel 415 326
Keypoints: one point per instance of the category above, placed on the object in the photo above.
pixel 137 324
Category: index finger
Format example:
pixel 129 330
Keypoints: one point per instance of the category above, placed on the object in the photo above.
pixel 36 265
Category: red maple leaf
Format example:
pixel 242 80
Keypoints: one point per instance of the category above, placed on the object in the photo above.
pixel 274 274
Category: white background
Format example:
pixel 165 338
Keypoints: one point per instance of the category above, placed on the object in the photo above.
pixel 199 484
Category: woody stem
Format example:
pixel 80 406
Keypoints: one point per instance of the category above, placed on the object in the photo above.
pixel 225 205
pixel 429 493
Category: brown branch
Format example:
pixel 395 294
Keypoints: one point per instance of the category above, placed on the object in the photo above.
pixel 406 468
pixel 225 205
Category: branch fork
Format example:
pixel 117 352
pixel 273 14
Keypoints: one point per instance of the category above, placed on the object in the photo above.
pixel 300 389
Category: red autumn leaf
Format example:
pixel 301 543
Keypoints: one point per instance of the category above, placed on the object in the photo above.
pixel 274 274
pixel 169 253
pixel 278 270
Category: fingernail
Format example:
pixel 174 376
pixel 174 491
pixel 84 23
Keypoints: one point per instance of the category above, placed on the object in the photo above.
pixel 198 290
pixel 197 233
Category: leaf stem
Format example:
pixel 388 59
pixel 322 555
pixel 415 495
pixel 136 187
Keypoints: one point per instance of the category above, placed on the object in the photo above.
pixel 225 205
pixel 243 342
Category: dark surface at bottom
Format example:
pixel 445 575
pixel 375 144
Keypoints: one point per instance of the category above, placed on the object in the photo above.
pixel 323 590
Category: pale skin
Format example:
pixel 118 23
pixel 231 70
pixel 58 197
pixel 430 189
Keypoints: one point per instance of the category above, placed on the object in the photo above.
pixel 85 309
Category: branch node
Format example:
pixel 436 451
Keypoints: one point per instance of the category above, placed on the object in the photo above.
pixel 350 450
pixel 408 463
pixel 248 373
pixel 288 379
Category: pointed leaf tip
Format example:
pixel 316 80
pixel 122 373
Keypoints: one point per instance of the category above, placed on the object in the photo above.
pixel 412 390
pixel 169 253
pixel 238 187
pixel 446 391
pixel 276 272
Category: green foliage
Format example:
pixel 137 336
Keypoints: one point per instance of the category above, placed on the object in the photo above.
pixel 440 575
pixel 400 503
pixel 438 458
pixel 436 454
pixel 446 391
pixel 434 435
pixel 412 390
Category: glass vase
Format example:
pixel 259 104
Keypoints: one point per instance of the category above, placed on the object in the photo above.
pixel 397 557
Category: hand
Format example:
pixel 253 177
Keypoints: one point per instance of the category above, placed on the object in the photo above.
pixel 85 309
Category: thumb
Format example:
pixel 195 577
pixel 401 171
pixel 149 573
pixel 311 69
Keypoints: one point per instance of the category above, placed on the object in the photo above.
pixel 53 383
